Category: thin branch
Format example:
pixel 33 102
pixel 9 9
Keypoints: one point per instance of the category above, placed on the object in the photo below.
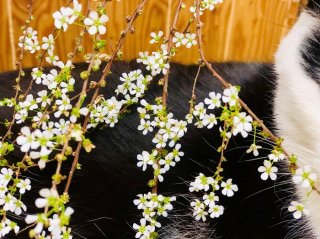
pixel 19 65
pixel 193 95
pixel 169 47
pixel 166 77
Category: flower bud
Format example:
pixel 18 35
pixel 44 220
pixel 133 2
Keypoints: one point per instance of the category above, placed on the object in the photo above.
pixel 84 75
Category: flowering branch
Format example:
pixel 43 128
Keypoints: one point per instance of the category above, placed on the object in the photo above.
pixel 166 76
pixel 225 84
pixel 101 83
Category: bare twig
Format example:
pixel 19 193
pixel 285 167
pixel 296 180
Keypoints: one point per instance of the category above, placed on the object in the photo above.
pixel 193 95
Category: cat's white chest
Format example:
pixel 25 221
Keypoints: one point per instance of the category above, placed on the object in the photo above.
pixel 297 107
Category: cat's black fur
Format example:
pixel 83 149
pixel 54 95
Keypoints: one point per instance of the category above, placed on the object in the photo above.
pixel 311 49
pixel 103 191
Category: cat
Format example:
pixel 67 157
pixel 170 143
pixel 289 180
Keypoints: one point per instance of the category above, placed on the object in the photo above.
pixel 286 96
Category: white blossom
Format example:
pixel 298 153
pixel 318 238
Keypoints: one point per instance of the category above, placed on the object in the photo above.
pixel 201 182
pixel 268 170
pixel 177 39
pixel 62 18
pixel 214 100
pixel 156 37
pixel 27 140
pixel 230 95
pixel 144 159
pixel 210 199
pixel 298 210
pixel 304 176
pixel 39 220
pixel 242 124
pixel 24 185
pixel 254 149
pixel 216 211
pixel 276 156
pixel 47 196
pixel 229 188
pixel 96 23
pixel 5 176
pixel 199 110
pixel 199 210
pixel 209 121
pixel 48 42
pixel 189 40
pixel 143 230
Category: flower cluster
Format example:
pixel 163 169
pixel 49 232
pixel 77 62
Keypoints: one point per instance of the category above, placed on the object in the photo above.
pixel 168 131
pixel 11 194
pixel 67 16
pixel 62 19
pixel 236 122
pixel 211 186
pixel 51 225
pixel 157 62
pixel 188 39
pixel 205 5
pixel 39 143
pixel 152 206
pixel 53 118
pixel 105 111
pixel 134 84
pixel 29 40
pixel 35 140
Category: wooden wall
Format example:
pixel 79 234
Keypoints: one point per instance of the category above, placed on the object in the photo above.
pixel 242 30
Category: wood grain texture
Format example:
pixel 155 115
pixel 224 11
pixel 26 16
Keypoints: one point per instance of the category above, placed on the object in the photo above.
pixel 238 30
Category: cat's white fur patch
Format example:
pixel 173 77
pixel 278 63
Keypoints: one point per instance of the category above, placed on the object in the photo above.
pixel 297 106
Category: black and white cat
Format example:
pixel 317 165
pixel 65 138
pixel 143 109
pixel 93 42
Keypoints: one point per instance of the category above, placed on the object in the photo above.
pixel 286 97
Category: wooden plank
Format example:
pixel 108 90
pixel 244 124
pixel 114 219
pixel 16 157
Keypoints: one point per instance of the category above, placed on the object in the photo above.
pixel 238 30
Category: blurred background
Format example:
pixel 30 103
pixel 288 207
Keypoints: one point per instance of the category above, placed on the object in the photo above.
pixel 237 30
